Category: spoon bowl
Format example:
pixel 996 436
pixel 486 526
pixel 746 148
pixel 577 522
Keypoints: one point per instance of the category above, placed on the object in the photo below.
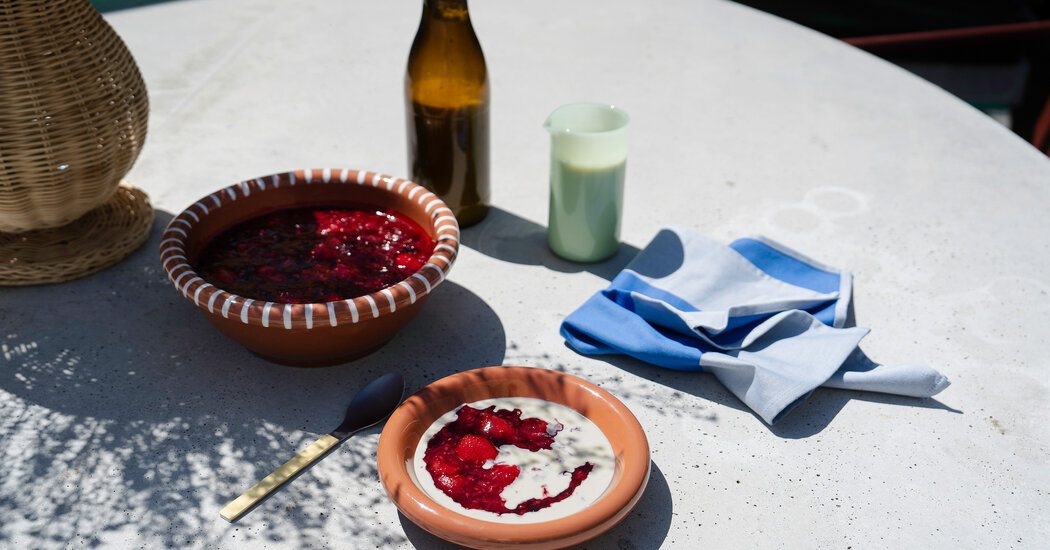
pixel 370 406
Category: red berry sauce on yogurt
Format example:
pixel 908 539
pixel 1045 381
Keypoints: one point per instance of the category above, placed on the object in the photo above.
pixel 502 460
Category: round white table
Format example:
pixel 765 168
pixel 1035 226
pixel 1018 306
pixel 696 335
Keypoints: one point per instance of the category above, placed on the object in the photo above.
pixel 126 420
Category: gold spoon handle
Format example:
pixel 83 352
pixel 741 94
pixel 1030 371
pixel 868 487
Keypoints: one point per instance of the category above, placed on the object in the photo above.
pixel 241 504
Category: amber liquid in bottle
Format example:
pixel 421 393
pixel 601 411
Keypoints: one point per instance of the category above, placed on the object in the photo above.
pixel 447 108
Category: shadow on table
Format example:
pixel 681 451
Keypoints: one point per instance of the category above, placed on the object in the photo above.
pixel 808 419
pixel 505 236
pixel 811 417
pixel 117 394
pixel 644 528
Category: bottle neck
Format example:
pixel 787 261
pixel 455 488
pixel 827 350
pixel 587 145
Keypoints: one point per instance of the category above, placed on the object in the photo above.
pixel 450 10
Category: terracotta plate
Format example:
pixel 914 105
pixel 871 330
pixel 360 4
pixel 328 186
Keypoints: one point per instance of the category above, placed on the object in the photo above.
pixel 403 430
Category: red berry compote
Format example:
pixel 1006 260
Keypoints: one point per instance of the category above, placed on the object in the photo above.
pixel 309 255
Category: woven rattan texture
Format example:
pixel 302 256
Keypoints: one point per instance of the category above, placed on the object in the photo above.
pixel 73 112
pixel 97 240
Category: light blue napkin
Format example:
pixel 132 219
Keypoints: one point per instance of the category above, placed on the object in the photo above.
pixel 766 321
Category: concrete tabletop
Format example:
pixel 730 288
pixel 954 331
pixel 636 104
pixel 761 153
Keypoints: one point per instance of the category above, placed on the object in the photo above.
pixel 127 421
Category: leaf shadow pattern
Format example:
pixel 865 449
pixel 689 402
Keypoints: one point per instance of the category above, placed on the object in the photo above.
pixel 124 416
pixel 646 527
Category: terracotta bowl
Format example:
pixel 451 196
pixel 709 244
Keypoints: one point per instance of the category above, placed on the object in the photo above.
pixel 406 425
pixel 320 333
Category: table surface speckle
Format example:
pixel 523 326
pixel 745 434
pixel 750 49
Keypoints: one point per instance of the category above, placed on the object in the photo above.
pixel 127 421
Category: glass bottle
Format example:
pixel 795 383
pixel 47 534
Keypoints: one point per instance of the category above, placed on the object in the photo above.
pixel 447 110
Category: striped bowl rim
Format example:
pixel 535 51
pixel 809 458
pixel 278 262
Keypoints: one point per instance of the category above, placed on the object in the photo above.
pixel 265 314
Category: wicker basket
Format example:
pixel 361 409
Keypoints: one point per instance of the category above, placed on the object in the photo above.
pixel 92 242
pixel 73 111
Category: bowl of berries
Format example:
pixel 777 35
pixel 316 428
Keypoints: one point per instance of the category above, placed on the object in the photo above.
pixel 311 267
pixel 514 457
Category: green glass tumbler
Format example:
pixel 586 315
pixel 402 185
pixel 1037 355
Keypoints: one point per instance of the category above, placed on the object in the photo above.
pixel 588 165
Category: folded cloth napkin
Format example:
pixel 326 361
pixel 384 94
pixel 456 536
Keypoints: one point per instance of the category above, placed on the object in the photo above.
pixel 766 321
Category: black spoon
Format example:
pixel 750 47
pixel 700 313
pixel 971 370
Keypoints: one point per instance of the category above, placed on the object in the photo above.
pixel 371 405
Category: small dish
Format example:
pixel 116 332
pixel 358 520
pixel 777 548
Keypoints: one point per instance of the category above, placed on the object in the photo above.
pixel 405 427
pixel 313 334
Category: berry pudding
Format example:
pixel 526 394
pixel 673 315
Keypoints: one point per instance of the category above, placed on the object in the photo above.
pixel 514 460
pixel 310 255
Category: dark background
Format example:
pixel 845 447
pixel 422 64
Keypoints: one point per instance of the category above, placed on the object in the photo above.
pixel 1008 76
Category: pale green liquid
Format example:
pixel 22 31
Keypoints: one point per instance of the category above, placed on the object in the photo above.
pixel 585 210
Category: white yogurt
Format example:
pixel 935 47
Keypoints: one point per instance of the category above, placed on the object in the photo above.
pixel 578 442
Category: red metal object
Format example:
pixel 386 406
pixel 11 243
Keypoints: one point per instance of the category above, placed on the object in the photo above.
pixel 1041 131
pixel 895 43
pixel 889 44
